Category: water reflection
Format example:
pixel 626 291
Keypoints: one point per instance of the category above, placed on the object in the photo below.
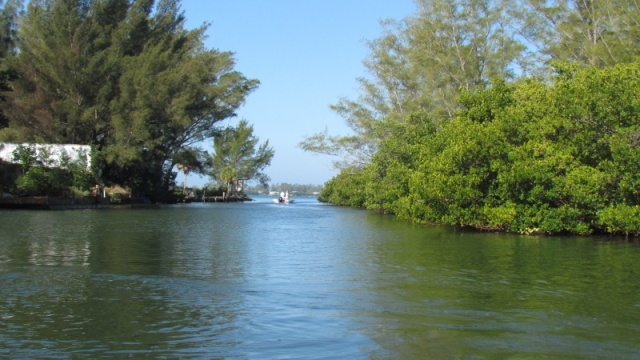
pixel 474 295
pixel 263 280
pixel 119 293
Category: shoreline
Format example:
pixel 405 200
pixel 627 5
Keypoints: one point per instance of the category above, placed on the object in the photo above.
pixel 81 203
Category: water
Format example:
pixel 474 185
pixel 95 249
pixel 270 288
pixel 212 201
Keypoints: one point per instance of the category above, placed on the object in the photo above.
pixel 308 281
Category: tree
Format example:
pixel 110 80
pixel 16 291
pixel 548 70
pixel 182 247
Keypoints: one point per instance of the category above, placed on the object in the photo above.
pixel 346 189
pixel 421 65
pixel 65 71
pixel 594 33
pixel 236 156
pixel 530 157
pixel 171 95
pixel 125 77
pixel 45 175
pixel 9 17
pixel 392 166
pixel 190 160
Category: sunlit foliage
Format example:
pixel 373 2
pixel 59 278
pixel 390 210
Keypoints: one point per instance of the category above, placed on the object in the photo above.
pixel 530 158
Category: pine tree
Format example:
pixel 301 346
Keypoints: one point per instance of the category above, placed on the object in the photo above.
pixel 237 156
pixel 420 65
pixel 589 32
pixel 9 17
pixel 125 77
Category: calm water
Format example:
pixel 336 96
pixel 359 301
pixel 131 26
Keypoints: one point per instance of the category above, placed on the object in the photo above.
pixel 305 280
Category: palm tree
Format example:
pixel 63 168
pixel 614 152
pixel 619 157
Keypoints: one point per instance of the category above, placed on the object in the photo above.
pixel 188 160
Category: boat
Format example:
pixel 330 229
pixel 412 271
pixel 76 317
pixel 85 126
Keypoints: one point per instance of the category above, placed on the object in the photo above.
pixel 283 199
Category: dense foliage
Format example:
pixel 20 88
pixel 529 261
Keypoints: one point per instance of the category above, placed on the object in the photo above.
pixel 39 178
pixel 121 75
pixel 424 62
pixel 501 115
pixel 530 157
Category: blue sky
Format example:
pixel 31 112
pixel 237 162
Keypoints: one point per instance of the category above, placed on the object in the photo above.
pixel 307 54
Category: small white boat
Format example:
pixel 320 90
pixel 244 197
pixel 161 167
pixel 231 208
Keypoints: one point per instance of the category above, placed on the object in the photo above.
pixel 283 199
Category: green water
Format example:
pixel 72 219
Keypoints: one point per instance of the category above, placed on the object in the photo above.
pixel 305 280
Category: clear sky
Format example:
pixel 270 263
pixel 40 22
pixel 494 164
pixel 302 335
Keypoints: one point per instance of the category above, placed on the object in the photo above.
pixel 307 55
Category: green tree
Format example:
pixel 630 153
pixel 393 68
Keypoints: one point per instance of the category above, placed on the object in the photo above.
pixel 531 157
pixel 125 77
pixel 594 33
pixel 25 156
pixel 393 165
pixel 170 96
pixel 9 16
pixel 421 65
pixel 190 160
pixel 237 156
pixel 42 175
pixel 347 188
pixel 64 68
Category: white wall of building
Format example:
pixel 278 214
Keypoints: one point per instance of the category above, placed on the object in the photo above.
pixel 75 153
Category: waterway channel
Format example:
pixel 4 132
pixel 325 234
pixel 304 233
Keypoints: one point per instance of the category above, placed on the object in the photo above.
pixel 259 280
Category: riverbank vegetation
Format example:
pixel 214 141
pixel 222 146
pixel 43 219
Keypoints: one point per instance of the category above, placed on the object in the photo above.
pixel 38 177
pixel 478 114
pixel 124 77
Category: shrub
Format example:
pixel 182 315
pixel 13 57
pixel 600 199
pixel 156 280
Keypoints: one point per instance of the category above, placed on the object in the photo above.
pixel 38 181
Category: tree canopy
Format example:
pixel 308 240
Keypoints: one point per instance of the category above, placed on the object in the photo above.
pixel 421 64
pixel 515 116
pixel 530 157
pixel 424 62
pixel 123 76
pixel 237 156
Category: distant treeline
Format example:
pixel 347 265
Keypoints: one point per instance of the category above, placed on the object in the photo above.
pixel 300 189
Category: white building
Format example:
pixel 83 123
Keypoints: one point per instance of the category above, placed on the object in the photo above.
pixel 52 152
